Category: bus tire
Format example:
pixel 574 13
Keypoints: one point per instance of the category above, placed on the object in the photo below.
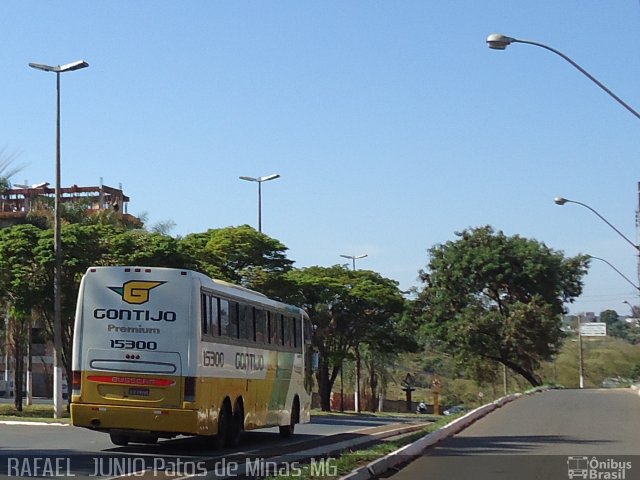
pixel 119 439
pixel 224 424
pixel 288 430
pixel 237 425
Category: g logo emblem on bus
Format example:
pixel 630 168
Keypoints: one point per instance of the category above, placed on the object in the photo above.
pixel 135 292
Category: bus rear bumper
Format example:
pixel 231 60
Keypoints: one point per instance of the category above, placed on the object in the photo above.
pixel 137 419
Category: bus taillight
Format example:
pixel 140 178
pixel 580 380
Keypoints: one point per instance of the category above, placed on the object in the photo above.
pixel 76 383
pixel 133 381
pixel 189 389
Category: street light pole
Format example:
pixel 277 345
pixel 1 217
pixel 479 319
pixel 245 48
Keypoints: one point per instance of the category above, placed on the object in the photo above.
pixel 57 245
pixel 497 41
pixel 260 180
pixel 562 201
pixel 353 259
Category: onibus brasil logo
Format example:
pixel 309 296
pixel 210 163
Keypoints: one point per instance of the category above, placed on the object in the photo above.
pixel 135 292
pixel 597 468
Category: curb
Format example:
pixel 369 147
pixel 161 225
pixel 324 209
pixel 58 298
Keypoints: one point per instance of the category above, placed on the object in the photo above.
pixel 413 450
pixel 28 423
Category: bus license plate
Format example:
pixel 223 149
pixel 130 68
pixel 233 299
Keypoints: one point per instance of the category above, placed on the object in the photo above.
pixel 139 392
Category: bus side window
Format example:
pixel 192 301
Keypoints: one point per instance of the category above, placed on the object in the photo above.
pixel 250 318
pixel 204 303
pixel 269 328
pixel 296 341
pixel 276 329
pixel 233 320
pixel 224 317
pixel 261 324
pixel 245 323
pixel 286 331
pixel 307 329
pixel 281 323
pixel 242 320
pixel 215 325
pixel 294 330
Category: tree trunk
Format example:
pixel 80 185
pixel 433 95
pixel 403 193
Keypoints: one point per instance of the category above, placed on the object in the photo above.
pixel 67 357
pixel 357 392
pixel 29 386
pixel 529 375
pixel 324 389
pixel 373 383
pixel 19 374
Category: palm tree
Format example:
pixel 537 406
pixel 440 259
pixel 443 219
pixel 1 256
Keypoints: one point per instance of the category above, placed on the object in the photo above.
pixel 7 170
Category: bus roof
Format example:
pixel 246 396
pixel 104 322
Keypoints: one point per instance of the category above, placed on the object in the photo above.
pixel 217 285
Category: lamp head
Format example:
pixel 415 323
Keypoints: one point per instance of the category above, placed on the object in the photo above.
pixel 269 177
pixel 69 67
pixel 497 41
pixel 77 65
pixel 560 200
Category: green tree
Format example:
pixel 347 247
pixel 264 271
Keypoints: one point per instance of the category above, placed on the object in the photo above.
pixel 140 247
pixel 82 247
pixel 490 297
pixel 609 317
pixel 240 255
pixel 21 288
pixel 346 308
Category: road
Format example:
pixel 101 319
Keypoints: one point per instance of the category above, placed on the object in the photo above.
pixel 535 436
pixel 85 453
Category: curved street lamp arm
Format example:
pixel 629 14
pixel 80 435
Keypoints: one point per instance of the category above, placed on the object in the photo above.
pixel 583 71
pixel 618 271
pixel 608 223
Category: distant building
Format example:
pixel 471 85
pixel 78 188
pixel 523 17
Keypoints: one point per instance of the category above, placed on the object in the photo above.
pixel 17 203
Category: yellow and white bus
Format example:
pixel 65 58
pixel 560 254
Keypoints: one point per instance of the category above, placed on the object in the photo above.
pixel 159 352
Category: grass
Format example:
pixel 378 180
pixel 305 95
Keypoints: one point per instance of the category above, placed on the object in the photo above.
pixel 350 413
pixel 351 460
pixel 40 413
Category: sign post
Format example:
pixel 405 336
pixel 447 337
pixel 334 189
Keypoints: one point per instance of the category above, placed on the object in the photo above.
pixel 588 329
pixel 436 385
pixel 593 329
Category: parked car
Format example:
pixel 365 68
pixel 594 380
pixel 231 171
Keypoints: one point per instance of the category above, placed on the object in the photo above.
pixel 455 409
pixel 611 383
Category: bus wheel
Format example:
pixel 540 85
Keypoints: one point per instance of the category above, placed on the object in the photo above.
pixel 120 440
pixel 287 430
pixel 237 424
pixel 224 420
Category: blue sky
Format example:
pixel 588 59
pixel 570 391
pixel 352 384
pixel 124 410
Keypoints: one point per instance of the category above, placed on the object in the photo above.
pixel 391 124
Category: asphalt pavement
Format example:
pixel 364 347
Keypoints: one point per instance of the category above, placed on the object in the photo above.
pixel 554 434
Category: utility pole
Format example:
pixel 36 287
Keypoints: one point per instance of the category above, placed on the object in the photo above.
pixel 580 357
pixel 638 231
